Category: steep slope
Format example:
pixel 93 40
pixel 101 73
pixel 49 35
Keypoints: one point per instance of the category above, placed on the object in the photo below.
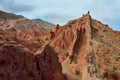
pixel 106 47
pixel 86 48
pixel 20 39
pixel 71 41
pixel 84 45
pixel 16 63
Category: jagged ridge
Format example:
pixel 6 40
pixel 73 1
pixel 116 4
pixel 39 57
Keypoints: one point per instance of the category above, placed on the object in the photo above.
pixel 84 47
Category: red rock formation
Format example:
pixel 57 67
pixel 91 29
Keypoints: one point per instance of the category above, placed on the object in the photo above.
pixel 23 31
pixel 16 63
pixel 71 42
pixel 70 36
pixel 85 48
pixel 76 44
pixel 50 66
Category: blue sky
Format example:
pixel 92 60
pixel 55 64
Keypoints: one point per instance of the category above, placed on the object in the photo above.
pixel 60 11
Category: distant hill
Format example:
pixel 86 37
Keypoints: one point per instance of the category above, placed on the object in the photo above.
pixel 5 15
pixel 47 25
pixel 40 20
pixel 9 16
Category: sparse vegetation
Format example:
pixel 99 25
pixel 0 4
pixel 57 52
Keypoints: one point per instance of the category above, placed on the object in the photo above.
pixel 95 30
pixel 111 72
pixel 102 42
pixel 105 43
pixel 100 76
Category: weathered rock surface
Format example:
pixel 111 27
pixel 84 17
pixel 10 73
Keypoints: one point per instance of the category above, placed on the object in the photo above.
pixel 23 31
pixel 20 39
pixel 16 63
pixel 84 46
pixel 81 44
pixel 71 42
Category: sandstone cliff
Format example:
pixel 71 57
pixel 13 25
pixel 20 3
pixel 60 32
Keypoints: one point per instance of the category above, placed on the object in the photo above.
pixel 16 63
pixel 20 39
pixel 86 48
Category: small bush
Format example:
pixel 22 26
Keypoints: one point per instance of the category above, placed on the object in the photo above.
pixel 95 30
pixel 100 76
pixel 111 72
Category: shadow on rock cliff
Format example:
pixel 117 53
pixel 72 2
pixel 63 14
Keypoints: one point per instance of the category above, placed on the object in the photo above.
pixel 16 63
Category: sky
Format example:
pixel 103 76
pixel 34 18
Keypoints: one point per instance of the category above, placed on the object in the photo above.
pixel 61 11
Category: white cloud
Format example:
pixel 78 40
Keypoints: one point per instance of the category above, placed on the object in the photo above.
pixel 60 11
pixel 13 6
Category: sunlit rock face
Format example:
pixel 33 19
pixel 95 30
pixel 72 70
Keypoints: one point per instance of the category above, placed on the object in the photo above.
pixel 82 49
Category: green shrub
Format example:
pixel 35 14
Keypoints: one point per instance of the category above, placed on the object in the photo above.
pixel 100 76
pixel 111 72
pixel 95 30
